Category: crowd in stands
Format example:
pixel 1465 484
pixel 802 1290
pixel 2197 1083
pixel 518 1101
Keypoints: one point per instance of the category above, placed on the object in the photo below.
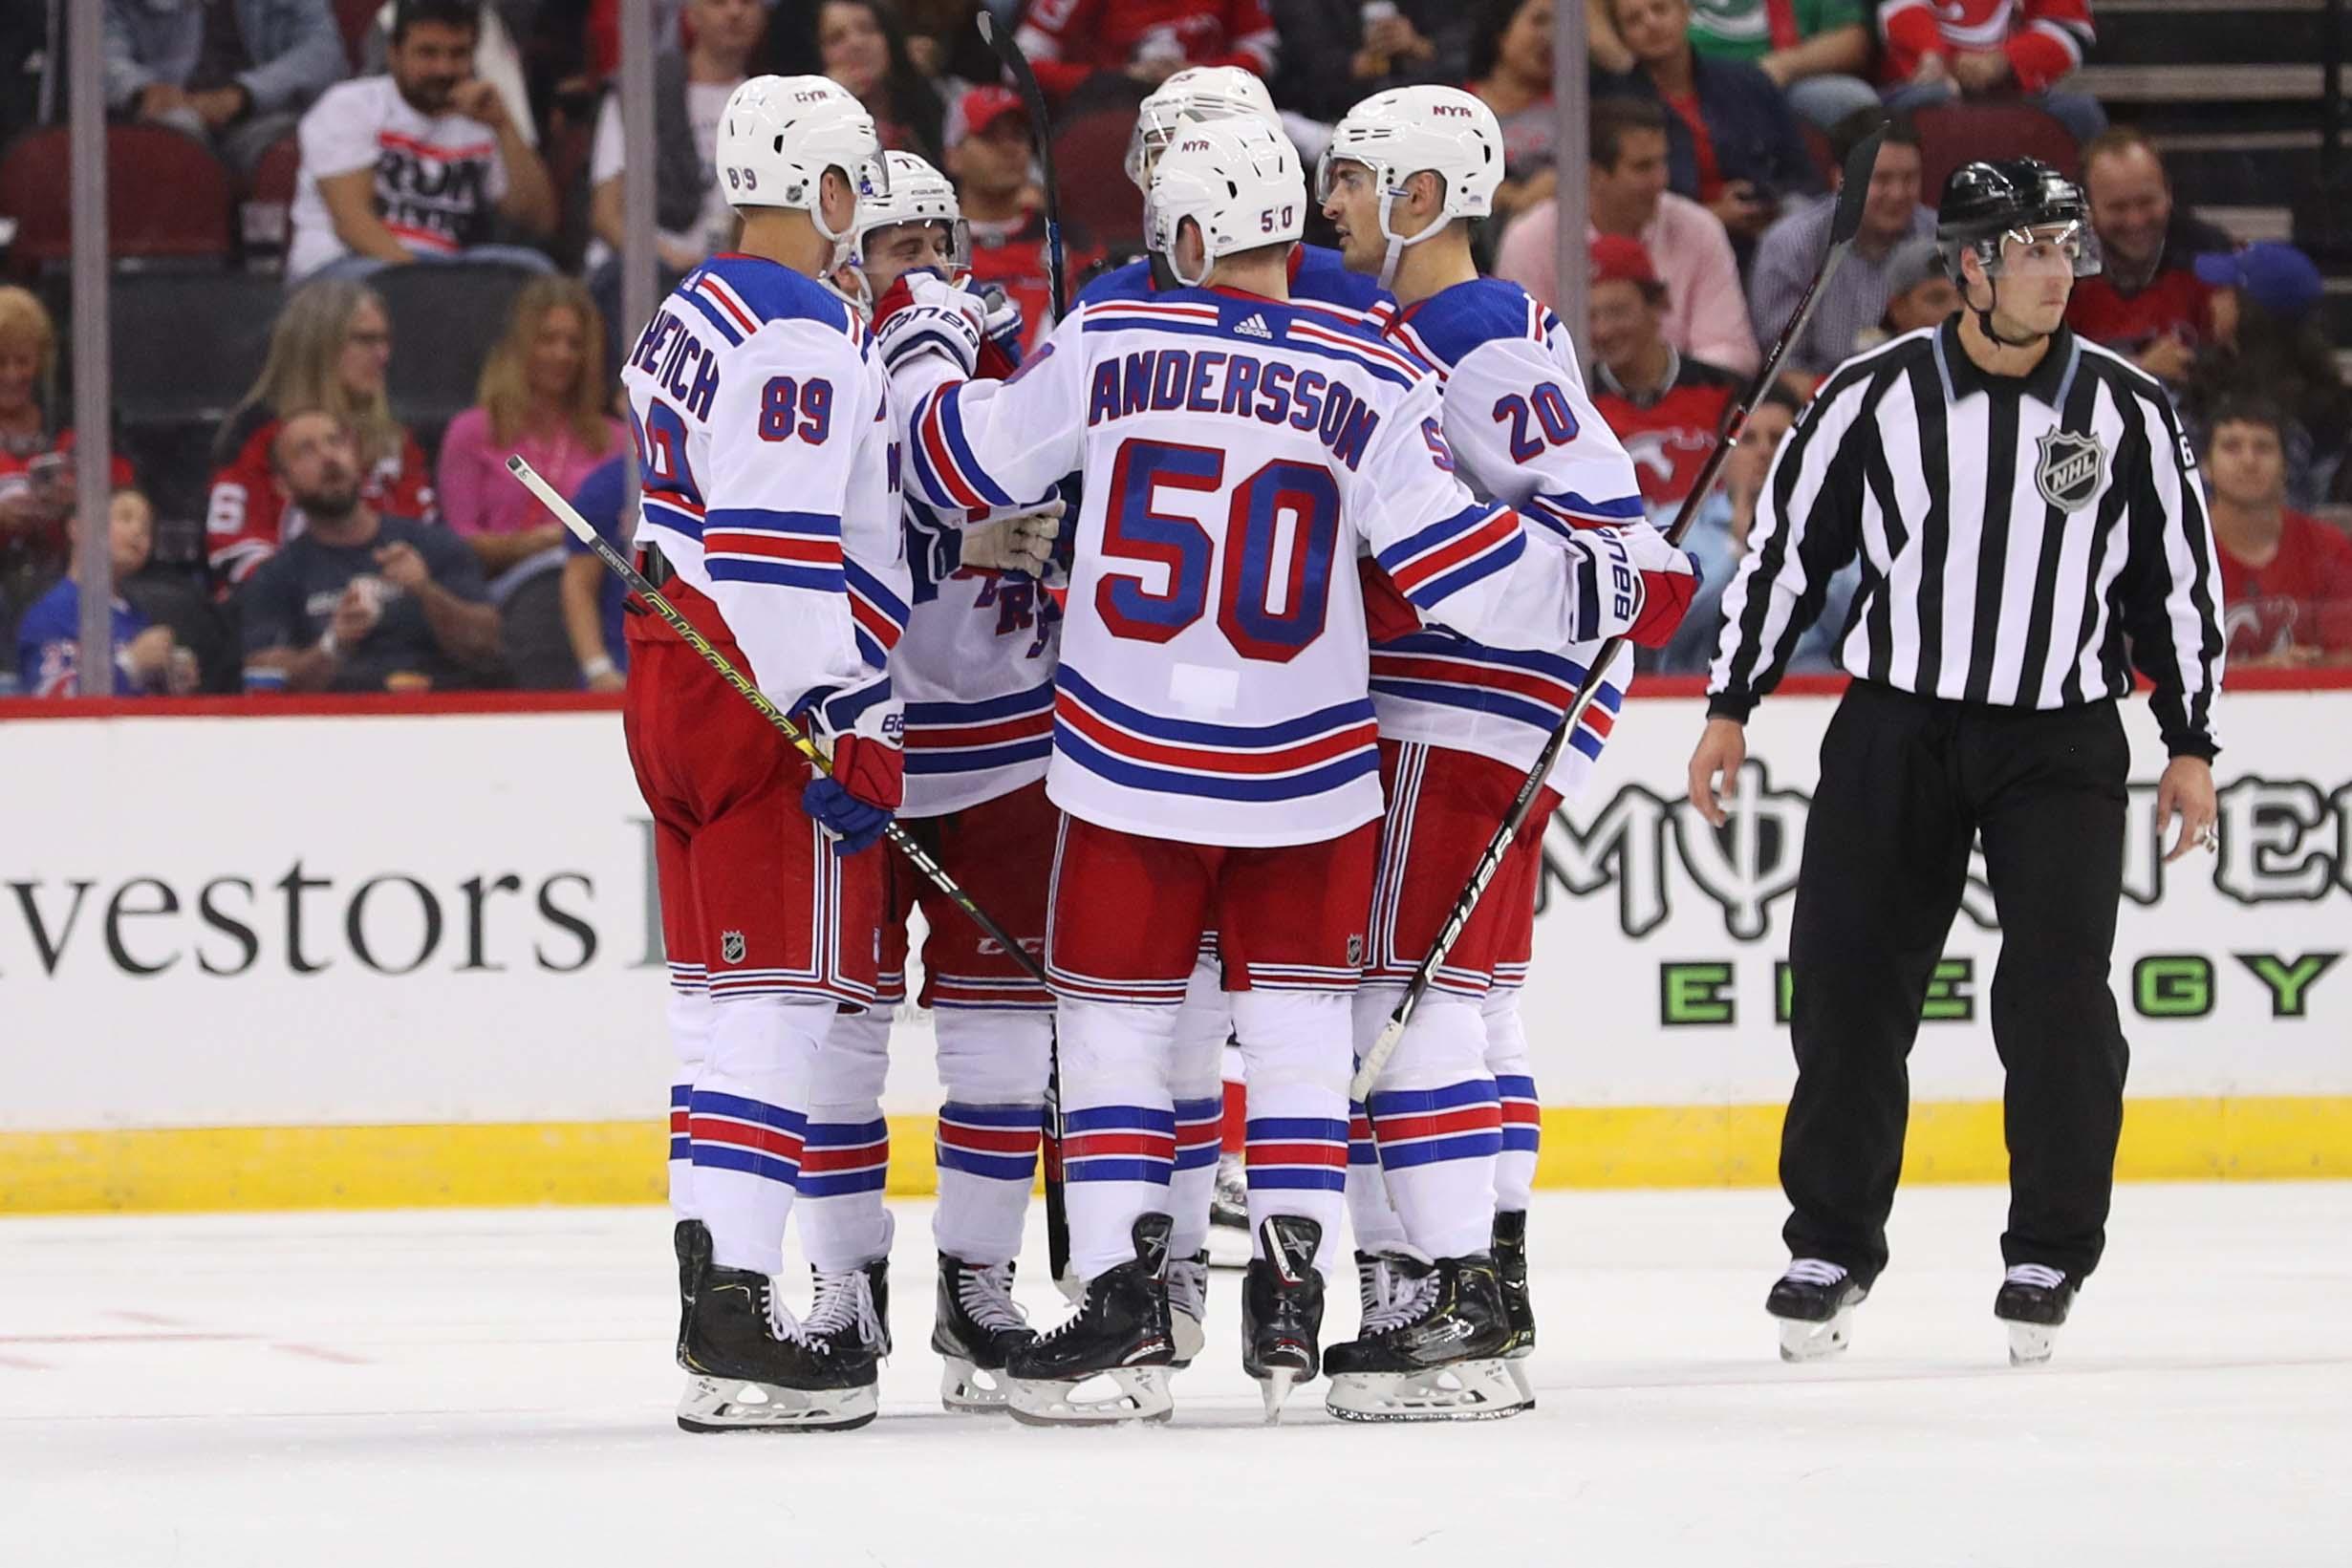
pixel 366 144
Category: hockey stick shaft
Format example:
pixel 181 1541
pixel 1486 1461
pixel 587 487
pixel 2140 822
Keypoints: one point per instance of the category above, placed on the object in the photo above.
pixel 1856 186
pixel 899 838
pixel 1041 133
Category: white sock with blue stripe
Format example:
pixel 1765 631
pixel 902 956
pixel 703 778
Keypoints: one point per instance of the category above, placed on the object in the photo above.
pixel 1436 1123
pixel 689 1021
pixel 748 1121
pixel 1523 1116
pixel 993 1064
pixel 1296 1047
pixel 1195 1070
pixel 1118 1126
pixel 845 1165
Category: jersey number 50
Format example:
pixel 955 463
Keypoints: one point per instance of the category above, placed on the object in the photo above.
pixel 1272 590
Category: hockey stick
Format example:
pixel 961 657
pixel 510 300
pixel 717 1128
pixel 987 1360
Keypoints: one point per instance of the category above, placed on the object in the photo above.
pixel 1842 226
pixel 1024 81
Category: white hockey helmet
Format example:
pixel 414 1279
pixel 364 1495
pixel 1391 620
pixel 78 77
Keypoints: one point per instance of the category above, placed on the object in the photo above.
pixel 776 137
pixel 917 194
pixel 1197 92
pixel 1238 180
pixel 1406 131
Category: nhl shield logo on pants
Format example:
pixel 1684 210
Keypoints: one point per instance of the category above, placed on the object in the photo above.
pixel 2072 468
pixel 731 946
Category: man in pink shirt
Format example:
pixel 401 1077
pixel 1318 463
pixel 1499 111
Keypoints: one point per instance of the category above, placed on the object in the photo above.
pixel 1706 314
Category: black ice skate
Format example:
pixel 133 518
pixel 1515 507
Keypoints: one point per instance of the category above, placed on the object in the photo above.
pixel 2034 1300
pixel 1511 1270
pixel 1188 1306
pixel 977 1325
pixel 1229 1213
pixel 1430 1348
pixel 849 1316
pixel 751 1368
pixel 1815 1302
pixel 691 1241
pixel 1282 1309
pixel 1120 1333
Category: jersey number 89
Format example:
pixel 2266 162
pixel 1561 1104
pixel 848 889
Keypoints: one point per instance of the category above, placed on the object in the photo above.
pixel 1270 607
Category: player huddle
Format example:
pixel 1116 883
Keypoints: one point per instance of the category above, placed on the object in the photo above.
pixel 1207 648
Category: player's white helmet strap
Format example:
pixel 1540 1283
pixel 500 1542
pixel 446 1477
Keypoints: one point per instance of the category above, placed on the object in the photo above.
pixel 1407 131
pixel 776 137
pixel 1239 180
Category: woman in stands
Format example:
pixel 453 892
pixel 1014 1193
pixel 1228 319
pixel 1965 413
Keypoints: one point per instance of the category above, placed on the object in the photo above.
pixel 329 349
pixel 1511 70
pixel 859 45
pixel 36 471
pixel 541 395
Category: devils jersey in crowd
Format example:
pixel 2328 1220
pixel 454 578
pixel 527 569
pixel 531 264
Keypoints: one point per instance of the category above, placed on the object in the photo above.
pixel 1524 433
pixel 1234 448
pixel 2301 598
pixel 1068 40
pixel 803 557
pixel 245 520
pixel 1668 435
pixel 2044 39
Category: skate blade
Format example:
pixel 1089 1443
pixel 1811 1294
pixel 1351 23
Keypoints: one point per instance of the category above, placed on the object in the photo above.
pixel 1516 1366
pixel 1804 1341
pixel 1275 1389
pixel 1135 1393
pixel 1468 1391
pixel 2030 1344
pixel 730 1404
pixel 968 1390
pixel 1186 1337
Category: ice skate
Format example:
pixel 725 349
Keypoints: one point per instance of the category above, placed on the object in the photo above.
pixel 691 1241
pixel 1120 1334
pixel 1511 1270
pixel 977 1325
pixel 750 1367
pixel 1229 1245
pixel 850 1315
pixel 2034 1300
pixel 1815 1303
pixel 1188 1306
pixel 1282 1310
pixel 1430 1348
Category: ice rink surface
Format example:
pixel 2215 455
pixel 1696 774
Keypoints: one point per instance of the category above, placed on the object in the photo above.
pixel 461 1387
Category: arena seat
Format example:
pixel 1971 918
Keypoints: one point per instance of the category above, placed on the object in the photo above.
pixel 168 197
pixel 1953 134
pixel 445 316
pixel 1090 157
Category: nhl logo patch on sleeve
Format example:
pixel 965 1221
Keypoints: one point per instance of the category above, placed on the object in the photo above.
pixel 2073 467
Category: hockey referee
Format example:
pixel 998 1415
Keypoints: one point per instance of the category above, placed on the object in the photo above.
pixel 2030 529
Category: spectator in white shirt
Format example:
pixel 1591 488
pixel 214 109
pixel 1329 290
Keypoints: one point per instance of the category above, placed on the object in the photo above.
pixel 415 165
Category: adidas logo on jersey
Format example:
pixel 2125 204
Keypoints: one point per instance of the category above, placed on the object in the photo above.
pixel 1254 326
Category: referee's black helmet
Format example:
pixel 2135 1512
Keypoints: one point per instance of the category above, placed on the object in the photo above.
pixel 1988 197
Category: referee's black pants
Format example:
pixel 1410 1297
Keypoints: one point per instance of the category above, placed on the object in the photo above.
pixel 1907 783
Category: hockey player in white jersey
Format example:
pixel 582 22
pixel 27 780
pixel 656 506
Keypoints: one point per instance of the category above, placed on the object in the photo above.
pixel 1452 1119
pixel 770 518
pixel 1214 754
pixel 975 671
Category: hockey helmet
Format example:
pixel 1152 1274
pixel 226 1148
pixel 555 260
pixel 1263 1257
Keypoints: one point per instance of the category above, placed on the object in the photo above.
pixel 1238 179
pixel 776 137
pixel 1199 92
pixel 1989 199
pixel 917 194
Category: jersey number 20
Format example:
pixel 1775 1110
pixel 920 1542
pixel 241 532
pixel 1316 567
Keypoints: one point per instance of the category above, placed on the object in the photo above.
pixel 1552 415
pixel 1269 606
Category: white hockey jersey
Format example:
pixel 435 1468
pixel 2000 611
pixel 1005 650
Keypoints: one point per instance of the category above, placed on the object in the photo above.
pixel 975 671
pixel 1523 432
pixel 770 484
pixel 1213 686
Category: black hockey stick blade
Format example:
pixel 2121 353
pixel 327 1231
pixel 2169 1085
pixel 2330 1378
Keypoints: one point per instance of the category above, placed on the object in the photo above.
pixel 1855 189
pixel 1041 135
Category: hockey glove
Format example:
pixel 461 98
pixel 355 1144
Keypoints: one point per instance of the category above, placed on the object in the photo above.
pixel 1001 330
pixel 1640 584
pixel 924 313
pixel 856 803
pixel 1021 541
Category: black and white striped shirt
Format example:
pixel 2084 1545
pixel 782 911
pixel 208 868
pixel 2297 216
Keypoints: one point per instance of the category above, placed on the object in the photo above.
pixel 2024 541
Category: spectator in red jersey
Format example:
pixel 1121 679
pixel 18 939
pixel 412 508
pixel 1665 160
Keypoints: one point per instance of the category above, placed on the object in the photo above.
pixel 860 46
pixel 1734 143
pixel 1625 188
pixel 329 351
pixel 540 397
pixel 1941 50
pixel 2146 301
pixel 1145 41
pixel 990 163
pixel 2286 579
pixel 1511 72
pixel 36 470
pixel 1665 407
